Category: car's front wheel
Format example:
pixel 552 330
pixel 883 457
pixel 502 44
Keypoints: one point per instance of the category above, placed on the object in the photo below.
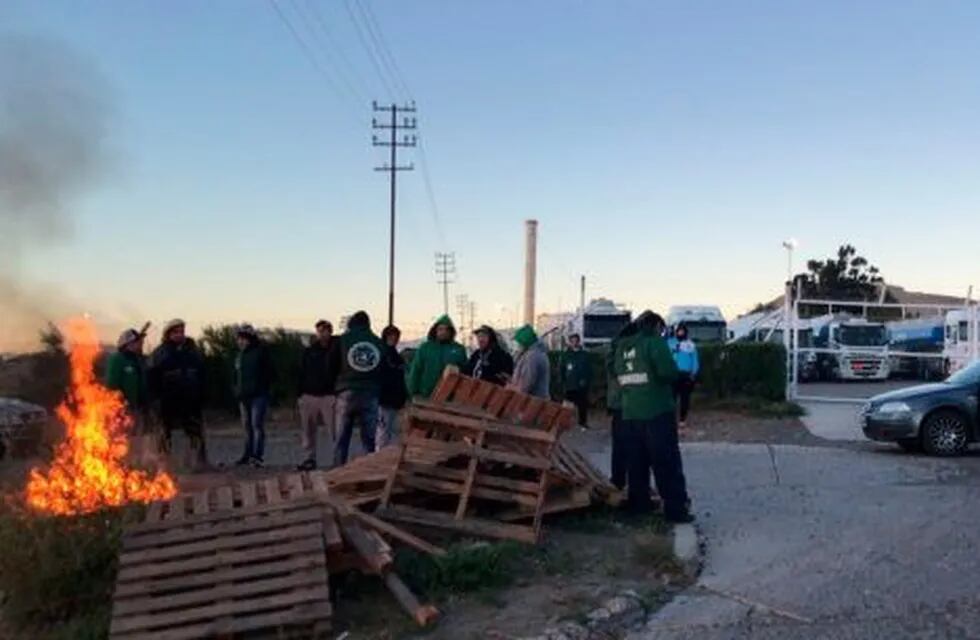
pixel 945 433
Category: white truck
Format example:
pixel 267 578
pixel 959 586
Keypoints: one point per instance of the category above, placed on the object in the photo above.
pixel 704 323
pixel 597 324
pixel 852 348
pixel 959 345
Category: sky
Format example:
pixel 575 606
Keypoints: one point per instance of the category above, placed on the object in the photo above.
pixel 667 148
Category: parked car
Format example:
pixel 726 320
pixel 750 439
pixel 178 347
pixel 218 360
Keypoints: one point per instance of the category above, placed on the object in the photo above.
pixel 940 418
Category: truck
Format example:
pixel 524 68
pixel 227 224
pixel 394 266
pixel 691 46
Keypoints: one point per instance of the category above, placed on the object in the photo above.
pixel 957 346
pixel 853 348
pixel 597 323
pixel 704 323
pixel 918 335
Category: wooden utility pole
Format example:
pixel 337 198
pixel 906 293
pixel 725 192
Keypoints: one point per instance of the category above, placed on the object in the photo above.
pixel 407 124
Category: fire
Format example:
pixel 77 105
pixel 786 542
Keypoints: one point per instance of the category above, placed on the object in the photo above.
pixel 89 471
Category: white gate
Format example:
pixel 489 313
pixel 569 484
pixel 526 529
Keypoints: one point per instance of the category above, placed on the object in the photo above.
pixel 824 365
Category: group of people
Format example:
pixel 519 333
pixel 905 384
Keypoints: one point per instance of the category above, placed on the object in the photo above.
pixel 359 380
pixel 355 380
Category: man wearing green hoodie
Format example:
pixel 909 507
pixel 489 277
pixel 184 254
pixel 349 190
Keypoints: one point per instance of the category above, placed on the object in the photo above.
pixel 646 372
pixel 436 353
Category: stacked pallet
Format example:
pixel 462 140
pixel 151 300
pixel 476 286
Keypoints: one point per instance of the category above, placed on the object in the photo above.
pixel 250 559
pixel 480 460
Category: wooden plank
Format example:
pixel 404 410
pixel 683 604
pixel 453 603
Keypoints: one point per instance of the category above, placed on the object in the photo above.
pixel 201 505
pixel 454 448
pixel 306 595
pixel 530 410
pixel 464 388
pixel 250 496
pixel 547 415
pixel 539 509
pixel 397 534
pixel 143 588
pixel 464 498
pixel 393 473
pixel 331 530
pixel 447 385
pixel 131 606
pixel 188 533
pixel 226 499
pixel 365 546
pixel 520 486
pixel 481 394
pixel 215 516
pixel 515 406
pixel 424 615
pixel 224 542
pixel 273 492
pixel 154 512
pixel 297 615
pixel 320 484
pixel 499 400
pixel 294 486
pixel 176 511
pixel 470 526
pixel 482 424
pixel 250 556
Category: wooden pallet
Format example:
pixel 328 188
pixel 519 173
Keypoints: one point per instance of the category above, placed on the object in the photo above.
pixel 256 570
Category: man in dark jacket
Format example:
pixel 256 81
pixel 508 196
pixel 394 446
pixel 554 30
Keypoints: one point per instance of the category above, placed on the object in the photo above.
pixel 359 364
pixel 614 404
pixel 126 373
pixel 317 399
pixel 490 361
pixel 394 392
pixel 646 372
pixel 176 383
pixel 576 377
pixel 253 382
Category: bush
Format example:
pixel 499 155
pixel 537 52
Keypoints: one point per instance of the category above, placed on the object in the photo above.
pixel 755 370
pixel 57 572
pixel 464 568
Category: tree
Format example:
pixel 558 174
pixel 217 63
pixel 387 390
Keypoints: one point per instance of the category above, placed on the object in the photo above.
pixel 849 276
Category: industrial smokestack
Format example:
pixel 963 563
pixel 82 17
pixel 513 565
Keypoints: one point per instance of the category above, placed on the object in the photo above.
pixel 530 268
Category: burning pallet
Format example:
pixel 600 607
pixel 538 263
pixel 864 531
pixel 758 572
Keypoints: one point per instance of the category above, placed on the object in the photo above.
pixel 250 559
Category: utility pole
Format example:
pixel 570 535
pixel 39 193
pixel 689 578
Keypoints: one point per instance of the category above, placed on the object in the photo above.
pixel 445 270
pixel 472 315
pixel 462 306
pixel 407 124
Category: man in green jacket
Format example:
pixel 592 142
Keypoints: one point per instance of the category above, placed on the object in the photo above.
pixel 614 404
pixel 359 365
pixel 436 353
pixel 646 373
pixel 576 377
pixel 126 373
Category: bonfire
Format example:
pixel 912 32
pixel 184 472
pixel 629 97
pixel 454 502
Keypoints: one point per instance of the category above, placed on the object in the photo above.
pixel 89 471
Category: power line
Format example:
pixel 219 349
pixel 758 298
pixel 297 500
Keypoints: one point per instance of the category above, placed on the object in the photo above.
pixel 368 50
pixel 359 90
pixel 430 193
pixel 384 53
pixel 446 271
pixel 304 47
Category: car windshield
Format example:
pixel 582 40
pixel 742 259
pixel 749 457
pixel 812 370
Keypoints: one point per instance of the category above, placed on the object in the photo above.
pixel 863 336
pixel 706 332
pixel 967 375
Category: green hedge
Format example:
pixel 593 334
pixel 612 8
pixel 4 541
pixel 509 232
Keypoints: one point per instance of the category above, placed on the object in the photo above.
pixel 753 370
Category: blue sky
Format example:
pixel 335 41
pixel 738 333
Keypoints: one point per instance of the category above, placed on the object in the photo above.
pixel 667 148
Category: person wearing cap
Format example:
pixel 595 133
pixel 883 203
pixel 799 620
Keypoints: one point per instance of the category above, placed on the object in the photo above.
pixel 490 361
pixel 126 373
pixel 438 352
pixel 394 392
pixel 176 383
pixel 646 373
pixel 685 354
pixel 253 382
pixel 532 371
pixel 575 373
pixel 359 362
pixel 317 399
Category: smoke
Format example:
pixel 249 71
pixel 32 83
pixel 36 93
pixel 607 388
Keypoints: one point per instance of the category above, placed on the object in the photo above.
pixel 54 125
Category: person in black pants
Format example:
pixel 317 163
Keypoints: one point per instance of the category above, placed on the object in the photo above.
pixel 685 354
pixel 576 377
pixel 620 440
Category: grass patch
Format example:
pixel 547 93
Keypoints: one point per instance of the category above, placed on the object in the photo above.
pixel 655 551
pixel 466 568
pixel 751 406
pixel 57 572
pixel 603 519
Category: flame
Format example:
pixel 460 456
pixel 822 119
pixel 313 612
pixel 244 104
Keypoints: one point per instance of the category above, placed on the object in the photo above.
pixel 88 472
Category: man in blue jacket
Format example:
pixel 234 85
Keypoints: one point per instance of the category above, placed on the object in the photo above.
pixel 685 354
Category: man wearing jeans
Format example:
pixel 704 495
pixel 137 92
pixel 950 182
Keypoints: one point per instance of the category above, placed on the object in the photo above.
pixel 358 361
pixel 253 381
pixel 317 398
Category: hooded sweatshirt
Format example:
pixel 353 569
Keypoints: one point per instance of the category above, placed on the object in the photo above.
pixel 358 360
pixel 646 374
pixel 432 358
pixel 685 354
pixel 532 371
pixel 492 364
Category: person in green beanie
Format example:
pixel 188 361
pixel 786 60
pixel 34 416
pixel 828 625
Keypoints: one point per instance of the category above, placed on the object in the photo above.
pixel 646 373
pixel 438 352
pixel 576 377
pixel 532 371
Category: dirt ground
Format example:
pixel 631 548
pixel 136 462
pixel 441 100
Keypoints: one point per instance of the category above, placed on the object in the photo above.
pixel 584 561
